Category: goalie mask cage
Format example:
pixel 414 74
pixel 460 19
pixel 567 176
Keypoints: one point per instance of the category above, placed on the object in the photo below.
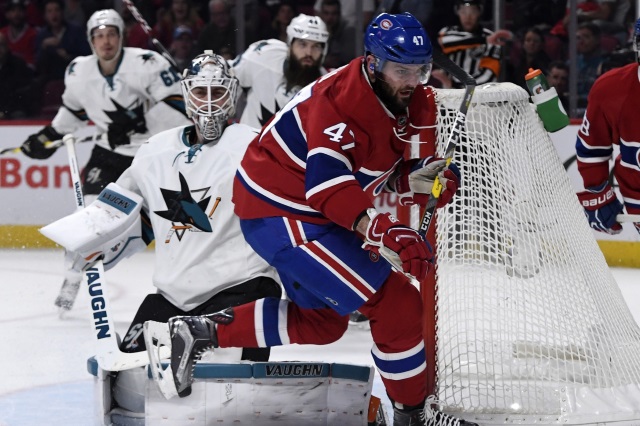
pixel 531 326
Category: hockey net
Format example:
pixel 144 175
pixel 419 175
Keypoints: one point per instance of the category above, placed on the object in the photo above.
pixel 531 325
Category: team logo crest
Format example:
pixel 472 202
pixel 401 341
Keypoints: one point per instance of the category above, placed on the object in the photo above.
pixel 386 24
pixel 185 213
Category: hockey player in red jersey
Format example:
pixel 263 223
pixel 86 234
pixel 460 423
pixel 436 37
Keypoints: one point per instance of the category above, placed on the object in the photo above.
pixel 304 195
pixel 610 120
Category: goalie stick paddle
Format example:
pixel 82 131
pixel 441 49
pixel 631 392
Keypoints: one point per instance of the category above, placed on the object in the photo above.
pixel 109 356
pixel 148 31
pixel 454 137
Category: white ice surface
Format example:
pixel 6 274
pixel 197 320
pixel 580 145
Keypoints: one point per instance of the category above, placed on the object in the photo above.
pixel 43 375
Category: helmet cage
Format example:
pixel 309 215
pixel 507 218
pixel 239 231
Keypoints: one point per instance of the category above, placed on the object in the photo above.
pixel 209 110
pixel 307 27
pixel 105 18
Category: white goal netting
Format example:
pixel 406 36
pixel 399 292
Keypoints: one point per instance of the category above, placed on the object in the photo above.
pixel 531 326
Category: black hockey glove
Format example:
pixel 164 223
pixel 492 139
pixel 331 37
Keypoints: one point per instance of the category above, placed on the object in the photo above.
pixel 34 146
pixel 120 133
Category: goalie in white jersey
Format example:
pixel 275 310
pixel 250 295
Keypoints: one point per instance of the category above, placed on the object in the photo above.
pixel 272 72
pixel 128 93
pixel 183 181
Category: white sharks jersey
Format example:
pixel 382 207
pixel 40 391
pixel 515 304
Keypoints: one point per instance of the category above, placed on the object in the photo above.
pixel 200 249
pixel 143 84
pixel 260 71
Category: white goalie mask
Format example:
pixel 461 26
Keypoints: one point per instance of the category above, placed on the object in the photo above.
pixel 209 88
pixel 105 18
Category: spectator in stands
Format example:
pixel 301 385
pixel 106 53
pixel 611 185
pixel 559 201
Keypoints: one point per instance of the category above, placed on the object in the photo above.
pixel 15 81
pixel 470 45
pixel 180 13
pixel 58 42
pixel 421 9
pixel 21 37
pixel 543 14
pixel 75 12
pixel 342 48
pixel 589 59
pixel 135 34
pixel 612 16
pixel 183 48
pixel 349 14
pixel 617 59
pixel 558 77
pixel 277 29
pixel 532 55
pixel 220 31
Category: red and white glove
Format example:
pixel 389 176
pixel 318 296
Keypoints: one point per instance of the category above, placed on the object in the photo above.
pixel 601 206
pixel 402 246
pixel 415 179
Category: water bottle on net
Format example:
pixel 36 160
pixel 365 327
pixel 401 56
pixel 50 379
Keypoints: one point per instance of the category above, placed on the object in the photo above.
pixel 547 102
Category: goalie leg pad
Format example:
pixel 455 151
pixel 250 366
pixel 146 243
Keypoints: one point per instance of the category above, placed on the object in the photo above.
pixel 129 389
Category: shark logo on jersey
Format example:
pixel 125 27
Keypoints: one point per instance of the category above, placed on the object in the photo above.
pixel 184 210
pixel 147 57
pixel 132 118
pixel 71 69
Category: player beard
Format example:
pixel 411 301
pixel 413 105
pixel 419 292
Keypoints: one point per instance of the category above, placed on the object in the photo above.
pixel 391 100
pixel 297 74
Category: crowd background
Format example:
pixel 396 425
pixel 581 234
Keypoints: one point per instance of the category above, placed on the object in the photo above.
pixel 39 38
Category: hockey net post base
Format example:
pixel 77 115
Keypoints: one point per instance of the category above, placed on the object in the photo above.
pixel 530 326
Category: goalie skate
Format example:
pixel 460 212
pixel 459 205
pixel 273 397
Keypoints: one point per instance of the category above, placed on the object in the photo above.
pixel 187 337
pixel 158 342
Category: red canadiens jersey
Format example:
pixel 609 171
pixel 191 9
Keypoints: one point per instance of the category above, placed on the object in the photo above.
pixel 612 118
pixel 329 151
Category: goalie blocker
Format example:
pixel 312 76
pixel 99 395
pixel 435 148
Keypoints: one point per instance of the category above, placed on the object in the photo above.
pixel 111 227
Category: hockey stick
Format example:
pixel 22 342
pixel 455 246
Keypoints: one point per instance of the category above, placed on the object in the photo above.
pixel 454 137
pixel 628 218
pixel 54 144
pixel 109 356
pixel 148 31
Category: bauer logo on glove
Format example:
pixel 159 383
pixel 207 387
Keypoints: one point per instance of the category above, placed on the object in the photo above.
pixel 601 206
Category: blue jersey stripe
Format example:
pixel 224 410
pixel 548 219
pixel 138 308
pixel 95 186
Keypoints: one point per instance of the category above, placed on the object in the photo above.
pixel 583 151
pixel 290 132
pixel 270 310
pixel 400 365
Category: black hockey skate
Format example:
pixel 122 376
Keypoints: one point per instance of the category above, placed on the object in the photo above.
pixel 424 415
pixel 191 336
